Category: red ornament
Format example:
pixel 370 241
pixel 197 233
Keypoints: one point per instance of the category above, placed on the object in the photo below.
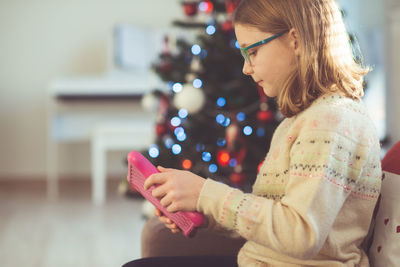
pixel 160 129
pixel 259 166
pixel 227 26
pixel 206 6
pixel 265 116
pixel 190 8
pixel 231 5
pixel 223 157
pixel 187 164
pixel 237 178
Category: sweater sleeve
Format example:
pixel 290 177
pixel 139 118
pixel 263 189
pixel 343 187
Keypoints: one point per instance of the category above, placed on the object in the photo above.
pixel 324 169
pixel 214 226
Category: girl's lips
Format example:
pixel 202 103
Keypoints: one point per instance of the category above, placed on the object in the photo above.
pixel 259 82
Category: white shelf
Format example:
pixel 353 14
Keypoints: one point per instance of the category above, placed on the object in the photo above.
pixel 115 83
pixel 107 124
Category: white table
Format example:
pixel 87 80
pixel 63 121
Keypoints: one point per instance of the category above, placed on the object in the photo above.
pixel 103 110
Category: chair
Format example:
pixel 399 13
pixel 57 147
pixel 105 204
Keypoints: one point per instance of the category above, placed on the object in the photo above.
pixel 385 248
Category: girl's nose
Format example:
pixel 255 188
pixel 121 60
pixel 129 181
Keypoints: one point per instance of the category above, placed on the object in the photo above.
pixel 247 69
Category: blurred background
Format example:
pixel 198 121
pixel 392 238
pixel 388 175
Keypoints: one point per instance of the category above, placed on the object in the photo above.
pixel 84 82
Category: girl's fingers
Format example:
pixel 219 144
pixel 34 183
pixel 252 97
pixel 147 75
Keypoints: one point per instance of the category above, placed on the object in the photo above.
pixel 166 201
pixel 159 191
pixel 172 226
pixel 162 169
pixel 165 220
pixel 175 231
pixel 168 222
pixel 173 207
pixel 155 178
pixel 157 212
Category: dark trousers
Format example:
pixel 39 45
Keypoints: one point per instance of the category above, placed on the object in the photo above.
pixel 185 261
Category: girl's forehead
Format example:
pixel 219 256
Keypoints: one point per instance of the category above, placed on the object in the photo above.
pixel 246 29
pixel 247 35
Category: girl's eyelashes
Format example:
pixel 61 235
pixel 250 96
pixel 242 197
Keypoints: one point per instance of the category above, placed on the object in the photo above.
pixel 253 52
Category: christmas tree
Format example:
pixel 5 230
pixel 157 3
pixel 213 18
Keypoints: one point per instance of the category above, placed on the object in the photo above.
pixel 214 121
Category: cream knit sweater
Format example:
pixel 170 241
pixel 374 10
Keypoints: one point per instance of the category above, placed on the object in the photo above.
pixel 313 199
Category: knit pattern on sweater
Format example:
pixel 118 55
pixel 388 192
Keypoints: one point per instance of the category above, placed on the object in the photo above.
pixel 314 196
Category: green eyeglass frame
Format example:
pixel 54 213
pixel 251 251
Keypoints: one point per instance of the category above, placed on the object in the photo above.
pixel 244 53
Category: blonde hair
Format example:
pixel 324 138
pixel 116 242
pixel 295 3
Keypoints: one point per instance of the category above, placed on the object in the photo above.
pixel 326 63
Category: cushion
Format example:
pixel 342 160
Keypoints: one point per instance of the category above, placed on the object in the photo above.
pixel 158 240
pixel 385 248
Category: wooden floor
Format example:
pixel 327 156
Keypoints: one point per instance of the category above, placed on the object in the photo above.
pixel 69 231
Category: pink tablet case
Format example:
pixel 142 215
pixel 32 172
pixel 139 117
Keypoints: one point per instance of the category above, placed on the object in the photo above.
pixel 139 170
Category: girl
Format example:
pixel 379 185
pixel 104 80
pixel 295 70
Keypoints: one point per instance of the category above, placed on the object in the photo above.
pixel 314 196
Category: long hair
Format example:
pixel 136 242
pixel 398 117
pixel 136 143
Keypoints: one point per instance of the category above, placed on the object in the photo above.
pixel 326 63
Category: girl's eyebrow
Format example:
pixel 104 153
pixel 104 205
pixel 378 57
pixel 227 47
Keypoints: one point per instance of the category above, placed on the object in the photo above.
pixel 242 45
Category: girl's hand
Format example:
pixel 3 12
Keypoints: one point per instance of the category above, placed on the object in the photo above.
pixel 166 221
pixel 177 190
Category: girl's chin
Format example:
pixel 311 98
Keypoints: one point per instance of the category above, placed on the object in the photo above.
pixel 269 92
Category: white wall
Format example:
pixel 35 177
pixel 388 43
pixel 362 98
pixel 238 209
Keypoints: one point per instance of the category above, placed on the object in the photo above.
pixel 44 39
pixel 392 31
pixel 365 19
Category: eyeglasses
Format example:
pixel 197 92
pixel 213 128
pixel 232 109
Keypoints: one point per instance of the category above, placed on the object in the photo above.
pixel 247 55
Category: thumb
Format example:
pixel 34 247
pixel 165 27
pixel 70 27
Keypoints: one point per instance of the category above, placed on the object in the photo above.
pixel 162 169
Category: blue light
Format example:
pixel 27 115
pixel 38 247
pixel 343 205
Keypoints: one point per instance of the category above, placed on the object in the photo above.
pixel 226 122
pixel 203 6
pixel 200 147
pixel 180 134
pixel 210 30
pixel 183 113
pixel 237 45
pixel 220 118
pixel 170 85
pixel 247 130
pixel 177 87
pixel 169 143
pixel 181 137
pixel 206 156
pixel 233 162
pixel 221 102
pixel 196 49
pixel 260 132
pixel 241 116
pixel 179 131
pixel 153 151
pixel 213 168
pixel 176 149
pixel 197 83
pixel 175 121
pixel 221 142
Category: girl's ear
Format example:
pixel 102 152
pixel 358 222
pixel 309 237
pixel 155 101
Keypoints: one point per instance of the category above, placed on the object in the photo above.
pixel 294 41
